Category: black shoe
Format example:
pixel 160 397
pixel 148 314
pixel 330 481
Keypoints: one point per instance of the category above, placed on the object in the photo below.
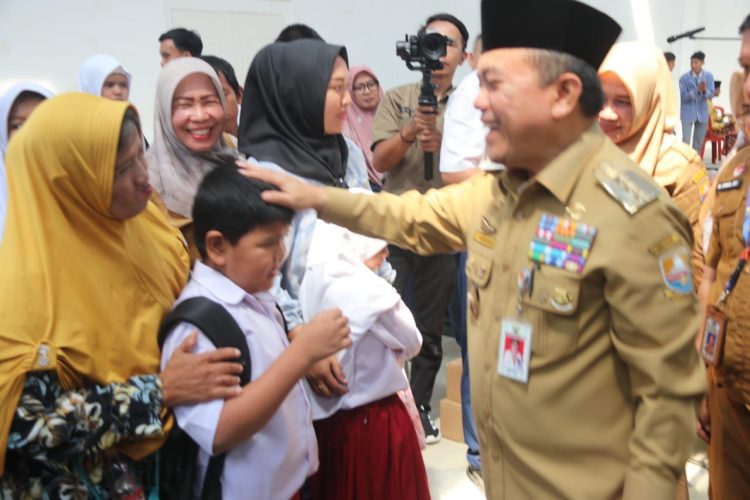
pixel 431 432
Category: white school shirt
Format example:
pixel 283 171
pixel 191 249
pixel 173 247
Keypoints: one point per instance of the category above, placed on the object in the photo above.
pixel 273 463
pixel 384 334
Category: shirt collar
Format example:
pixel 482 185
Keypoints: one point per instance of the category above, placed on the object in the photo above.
pixel 561 175
pixel 223 288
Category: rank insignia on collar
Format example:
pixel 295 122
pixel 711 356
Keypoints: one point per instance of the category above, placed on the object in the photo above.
pixel 562 243
pixel 726 186
pixel 630 189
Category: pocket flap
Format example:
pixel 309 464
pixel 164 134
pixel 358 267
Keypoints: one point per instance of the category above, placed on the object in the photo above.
pixel 478 270
pixel 554 291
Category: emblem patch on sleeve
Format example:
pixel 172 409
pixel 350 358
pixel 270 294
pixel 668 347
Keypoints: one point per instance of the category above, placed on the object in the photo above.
pixel 675 270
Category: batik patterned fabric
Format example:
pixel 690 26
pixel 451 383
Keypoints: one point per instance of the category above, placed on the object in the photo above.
pixel 57 438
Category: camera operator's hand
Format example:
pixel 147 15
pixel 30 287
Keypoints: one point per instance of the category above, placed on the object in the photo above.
pixel 429 141
pixel 425 119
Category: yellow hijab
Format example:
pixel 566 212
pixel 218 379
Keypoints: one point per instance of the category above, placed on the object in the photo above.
pixel 82 293
pixel 644 72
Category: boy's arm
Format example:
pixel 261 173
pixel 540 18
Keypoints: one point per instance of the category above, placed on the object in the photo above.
pixel 219 425
pixel 246 414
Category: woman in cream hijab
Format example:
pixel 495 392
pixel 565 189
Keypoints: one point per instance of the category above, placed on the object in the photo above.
pixel 639 115
pixel 188 140
pixel 93 266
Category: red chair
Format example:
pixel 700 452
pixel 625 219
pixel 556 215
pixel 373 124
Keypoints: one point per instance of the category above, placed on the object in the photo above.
pixel 716 134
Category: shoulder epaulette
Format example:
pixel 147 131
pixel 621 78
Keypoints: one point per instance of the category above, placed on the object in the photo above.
pixel 627 187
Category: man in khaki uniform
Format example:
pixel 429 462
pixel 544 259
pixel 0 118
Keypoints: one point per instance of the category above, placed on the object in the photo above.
pixel 728 429
pixel 575 256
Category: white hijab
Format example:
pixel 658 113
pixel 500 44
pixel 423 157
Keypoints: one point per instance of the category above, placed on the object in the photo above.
pixel 6 102
pixel 174 170
pixel 337 254
pixel 96 69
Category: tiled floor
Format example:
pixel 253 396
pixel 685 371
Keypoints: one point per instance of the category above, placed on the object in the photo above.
pixel 446 460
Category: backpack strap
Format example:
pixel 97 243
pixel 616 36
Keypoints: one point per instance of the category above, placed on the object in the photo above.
pixel 214 322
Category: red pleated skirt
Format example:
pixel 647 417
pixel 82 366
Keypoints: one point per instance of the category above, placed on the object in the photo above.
pixel 369 453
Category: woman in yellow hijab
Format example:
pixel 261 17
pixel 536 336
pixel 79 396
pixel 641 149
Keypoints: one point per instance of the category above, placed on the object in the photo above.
pixel 639 115
pixel 89 267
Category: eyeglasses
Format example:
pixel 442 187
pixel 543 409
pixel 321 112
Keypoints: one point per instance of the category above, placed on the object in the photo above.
pixel 371 86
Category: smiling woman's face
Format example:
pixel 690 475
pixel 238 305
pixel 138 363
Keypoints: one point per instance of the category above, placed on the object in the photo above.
pixel 616 116
pixel 197 113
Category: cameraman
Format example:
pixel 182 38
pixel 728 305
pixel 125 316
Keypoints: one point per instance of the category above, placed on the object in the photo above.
pixel 402 133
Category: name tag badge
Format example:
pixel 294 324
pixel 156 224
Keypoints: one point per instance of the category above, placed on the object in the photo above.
pixel 514 351
pixel 713 335
pixel 727 185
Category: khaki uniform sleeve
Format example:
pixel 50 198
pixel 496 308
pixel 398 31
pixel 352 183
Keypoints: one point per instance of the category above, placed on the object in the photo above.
pixel 692 187
pixel 430 223
pixel 388 117
pixel 713 248
pixel 653 330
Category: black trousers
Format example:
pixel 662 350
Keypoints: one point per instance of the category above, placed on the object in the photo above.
pixel 430 284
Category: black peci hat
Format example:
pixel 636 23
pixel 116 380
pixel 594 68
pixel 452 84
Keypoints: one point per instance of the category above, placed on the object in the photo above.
pixel 562 25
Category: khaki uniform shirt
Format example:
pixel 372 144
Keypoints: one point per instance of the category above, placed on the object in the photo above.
pixel 609 407
pixel 724 248
pixel 396 110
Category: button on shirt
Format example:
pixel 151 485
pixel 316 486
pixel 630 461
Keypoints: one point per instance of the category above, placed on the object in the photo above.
pixel 693 102
pixel 277 459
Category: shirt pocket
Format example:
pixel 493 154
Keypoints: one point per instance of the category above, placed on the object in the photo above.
pixel 552 308
pixel 728 214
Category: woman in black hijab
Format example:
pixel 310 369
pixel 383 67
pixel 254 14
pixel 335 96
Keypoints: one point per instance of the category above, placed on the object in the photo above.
pixel 293 109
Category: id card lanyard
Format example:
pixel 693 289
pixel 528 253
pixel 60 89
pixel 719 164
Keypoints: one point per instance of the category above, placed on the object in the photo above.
pixel 514 351
pixel 715 324
pixel 732 281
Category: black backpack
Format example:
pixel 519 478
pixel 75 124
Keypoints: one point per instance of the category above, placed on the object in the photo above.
pixel 179 453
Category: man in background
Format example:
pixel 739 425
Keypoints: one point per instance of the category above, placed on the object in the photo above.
pixel 179 42
pixel 696 89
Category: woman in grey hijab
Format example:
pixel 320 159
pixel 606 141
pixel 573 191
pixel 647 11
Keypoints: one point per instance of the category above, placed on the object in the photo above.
pixel 188 138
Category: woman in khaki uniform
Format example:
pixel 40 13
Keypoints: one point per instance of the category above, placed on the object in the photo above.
pixel 639 115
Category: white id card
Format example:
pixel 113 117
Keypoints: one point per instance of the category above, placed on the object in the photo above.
pixel 515 350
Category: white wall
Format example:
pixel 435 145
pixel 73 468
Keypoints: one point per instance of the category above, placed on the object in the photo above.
pixel 47 40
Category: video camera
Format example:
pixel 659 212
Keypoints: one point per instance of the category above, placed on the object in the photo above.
pixel 423 52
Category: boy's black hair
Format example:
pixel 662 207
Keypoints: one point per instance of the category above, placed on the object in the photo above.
pixel 298 31
pixel 669 56
pixel 230 203
pixel 184 39
pixel 443 16
pixel 698 55
pixel 222 66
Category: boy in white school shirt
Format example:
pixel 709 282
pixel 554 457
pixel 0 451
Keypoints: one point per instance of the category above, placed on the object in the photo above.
pixel 266 430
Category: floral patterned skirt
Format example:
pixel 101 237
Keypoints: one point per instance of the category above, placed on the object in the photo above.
pixel 60 441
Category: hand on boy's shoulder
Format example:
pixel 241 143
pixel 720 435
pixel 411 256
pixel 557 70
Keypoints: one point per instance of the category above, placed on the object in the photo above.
pixel 195 378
